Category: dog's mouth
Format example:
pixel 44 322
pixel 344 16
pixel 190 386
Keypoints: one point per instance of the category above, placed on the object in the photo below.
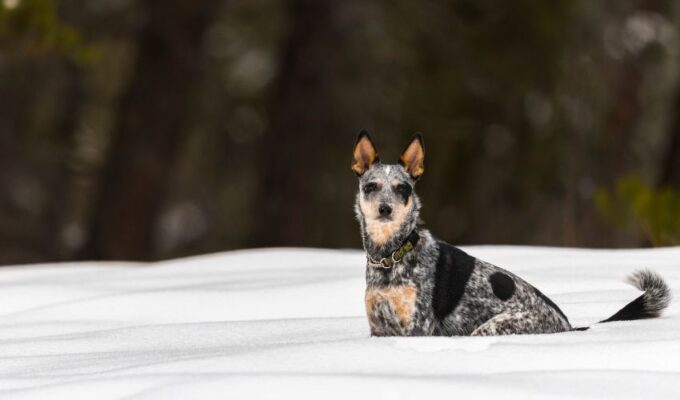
pixel 384 219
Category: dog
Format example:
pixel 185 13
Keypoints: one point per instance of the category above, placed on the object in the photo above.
pixel 417 285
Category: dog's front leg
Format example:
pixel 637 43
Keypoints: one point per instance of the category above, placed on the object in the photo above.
pixel 422 321
pixel 384 321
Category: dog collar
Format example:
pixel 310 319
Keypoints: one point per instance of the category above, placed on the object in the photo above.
pixel 398 254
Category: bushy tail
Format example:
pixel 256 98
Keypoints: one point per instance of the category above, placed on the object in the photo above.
pixel 656 297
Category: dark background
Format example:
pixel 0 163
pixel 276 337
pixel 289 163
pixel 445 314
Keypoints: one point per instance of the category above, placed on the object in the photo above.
pixel 143 130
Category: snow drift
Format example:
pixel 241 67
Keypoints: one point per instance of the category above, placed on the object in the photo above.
pixel 288 323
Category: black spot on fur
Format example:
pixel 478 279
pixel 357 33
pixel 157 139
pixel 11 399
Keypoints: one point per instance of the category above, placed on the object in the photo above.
pixel 549 302
pixel 404 191
pixel 454 268
pixel 502 285
pixel 370 187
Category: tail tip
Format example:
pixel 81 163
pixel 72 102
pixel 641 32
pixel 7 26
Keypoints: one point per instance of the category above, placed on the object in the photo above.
pixel 657 295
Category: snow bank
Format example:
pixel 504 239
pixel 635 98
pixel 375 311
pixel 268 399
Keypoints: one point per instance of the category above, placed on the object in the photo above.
pixel 288 323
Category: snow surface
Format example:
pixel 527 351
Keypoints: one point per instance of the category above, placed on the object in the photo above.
pixel 289 323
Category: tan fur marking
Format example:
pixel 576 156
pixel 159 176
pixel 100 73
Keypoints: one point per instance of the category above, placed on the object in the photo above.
pixel 381 231
pixel 413 158
pixel 402 301
pixel 358 168
pixel 364 156
pixel 371 299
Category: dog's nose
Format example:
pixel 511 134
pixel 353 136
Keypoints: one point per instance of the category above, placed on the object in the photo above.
pixel 384 210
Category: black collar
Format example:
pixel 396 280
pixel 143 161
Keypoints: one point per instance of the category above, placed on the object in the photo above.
pixel 397 255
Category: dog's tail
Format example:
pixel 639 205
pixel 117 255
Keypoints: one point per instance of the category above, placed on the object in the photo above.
pixel 656 297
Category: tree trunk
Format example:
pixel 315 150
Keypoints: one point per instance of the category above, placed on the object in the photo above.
pixel 149 129
pixel 670 169
pixel 35 156
pixel 303 114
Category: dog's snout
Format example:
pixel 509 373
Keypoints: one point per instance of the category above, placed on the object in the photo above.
pixel 384 210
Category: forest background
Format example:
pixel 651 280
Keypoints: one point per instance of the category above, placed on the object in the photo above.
pixel 150 129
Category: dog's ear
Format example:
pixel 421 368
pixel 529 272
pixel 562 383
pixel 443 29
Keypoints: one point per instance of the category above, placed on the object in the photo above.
pixel 365 154
pixel 413 157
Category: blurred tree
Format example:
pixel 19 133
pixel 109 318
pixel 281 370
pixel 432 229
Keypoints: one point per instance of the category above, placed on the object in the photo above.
pixel 41 93
pixel 639 196
pixel 150 127
pixel 634 204
pixel 304 115
pixel 489 113
pixel 216 130
pixel 670 168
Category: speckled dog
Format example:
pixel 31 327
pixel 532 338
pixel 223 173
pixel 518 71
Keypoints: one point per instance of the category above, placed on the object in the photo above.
pixel 418 285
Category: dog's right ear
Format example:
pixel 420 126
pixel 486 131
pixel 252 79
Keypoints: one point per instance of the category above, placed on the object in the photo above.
pixel 365 154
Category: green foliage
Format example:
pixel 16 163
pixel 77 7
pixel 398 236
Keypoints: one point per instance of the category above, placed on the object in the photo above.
pixel 635 204
pixel 33 27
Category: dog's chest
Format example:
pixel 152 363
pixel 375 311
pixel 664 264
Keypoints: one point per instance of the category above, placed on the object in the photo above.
pixel 390 310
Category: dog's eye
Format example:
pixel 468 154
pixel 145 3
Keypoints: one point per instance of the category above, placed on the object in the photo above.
pixel 403 189
pixel 370 187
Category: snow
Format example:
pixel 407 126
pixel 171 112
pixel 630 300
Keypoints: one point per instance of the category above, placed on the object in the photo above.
pixel 289 323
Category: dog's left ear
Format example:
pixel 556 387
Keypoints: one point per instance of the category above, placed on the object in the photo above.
pixel 413 157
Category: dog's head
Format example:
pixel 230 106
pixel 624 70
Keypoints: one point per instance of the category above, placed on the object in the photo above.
pixel 386 203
